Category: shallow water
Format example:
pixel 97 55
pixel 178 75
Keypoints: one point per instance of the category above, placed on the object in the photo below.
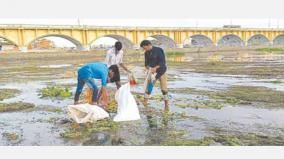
pixel 218 81
pixel 55 66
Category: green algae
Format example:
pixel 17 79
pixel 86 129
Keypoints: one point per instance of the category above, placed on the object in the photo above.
pixel 12 137
pixel 270 50
pixel 189 142
pixel 200 104
pixel 277 82
pixel 10 107
pixel 56 91
pixel 85 130
pixel 254 94
pixel 48 108
pixel 8 93
pixel 234 95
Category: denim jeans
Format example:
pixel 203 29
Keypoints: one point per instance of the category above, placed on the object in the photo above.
pixel 91 83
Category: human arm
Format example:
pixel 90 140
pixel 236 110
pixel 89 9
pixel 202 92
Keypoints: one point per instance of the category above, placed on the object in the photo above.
pixel 161 63
pixel 125 68
pixel 103 97
pixel 107 59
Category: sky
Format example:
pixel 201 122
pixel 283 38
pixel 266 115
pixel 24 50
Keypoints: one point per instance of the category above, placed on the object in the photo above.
pixel 245 23
pixel 142 9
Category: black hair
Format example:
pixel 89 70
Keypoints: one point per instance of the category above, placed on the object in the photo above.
pixel 118 45
pixel 145 43
pixel 115 71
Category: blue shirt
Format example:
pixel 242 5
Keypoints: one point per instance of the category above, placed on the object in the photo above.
pixel 95 70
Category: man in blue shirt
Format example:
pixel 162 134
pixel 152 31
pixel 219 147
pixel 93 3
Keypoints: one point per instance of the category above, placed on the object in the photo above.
pixel 96 70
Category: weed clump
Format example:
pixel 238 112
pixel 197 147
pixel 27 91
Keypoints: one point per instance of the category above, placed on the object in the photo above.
pixel 55 91
pixel 112 107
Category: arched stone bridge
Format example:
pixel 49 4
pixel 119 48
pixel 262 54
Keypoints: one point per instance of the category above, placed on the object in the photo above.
pixel 83 36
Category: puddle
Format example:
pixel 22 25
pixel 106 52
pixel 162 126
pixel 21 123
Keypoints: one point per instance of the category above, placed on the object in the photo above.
pixel 56 66
pixel 204 81
pixel 30 94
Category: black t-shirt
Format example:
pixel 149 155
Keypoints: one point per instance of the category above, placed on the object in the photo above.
pixel 154 57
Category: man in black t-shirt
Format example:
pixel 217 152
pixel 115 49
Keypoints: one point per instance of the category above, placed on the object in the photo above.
pixel 155 62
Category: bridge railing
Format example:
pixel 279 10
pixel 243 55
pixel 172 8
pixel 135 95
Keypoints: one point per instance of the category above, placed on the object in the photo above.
pixel 133 28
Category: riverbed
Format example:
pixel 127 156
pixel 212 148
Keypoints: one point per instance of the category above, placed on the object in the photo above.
pixel 231 99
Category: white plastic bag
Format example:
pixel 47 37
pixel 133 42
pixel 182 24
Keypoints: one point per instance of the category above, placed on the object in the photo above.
pixel 127 107
pixel 83 113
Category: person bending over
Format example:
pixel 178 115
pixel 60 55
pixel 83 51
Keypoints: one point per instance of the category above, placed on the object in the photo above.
pixel 91 71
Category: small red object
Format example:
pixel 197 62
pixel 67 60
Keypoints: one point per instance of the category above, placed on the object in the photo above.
pixel 132 80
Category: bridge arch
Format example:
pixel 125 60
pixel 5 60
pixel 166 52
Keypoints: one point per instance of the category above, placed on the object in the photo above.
pixel 258 39
pixel 7 44
pixel 279 40
pixel 163 41
pixel 201 41
pixel 230 40
pixel 126 43
pixel 9 40
pixel 78 45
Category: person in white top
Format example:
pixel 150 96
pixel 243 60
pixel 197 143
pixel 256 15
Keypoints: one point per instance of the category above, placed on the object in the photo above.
pixel 115 57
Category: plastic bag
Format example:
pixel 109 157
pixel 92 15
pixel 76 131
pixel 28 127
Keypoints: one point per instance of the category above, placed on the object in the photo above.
pixel 83 113
pixel 103 97
pixel 88 96
pixel 132 80
pixel 148 84
pixel 127 107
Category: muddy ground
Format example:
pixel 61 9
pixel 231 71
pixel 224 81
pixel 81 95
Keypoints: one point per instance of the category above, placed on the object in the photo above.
pixel 229 97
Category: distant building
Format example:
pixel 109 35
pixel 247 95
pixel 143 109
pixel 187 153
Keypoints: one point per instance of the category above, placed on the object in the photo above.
pixel 42 44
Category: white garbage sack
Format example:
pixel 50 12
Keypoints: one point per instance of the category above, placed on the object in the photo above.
pixel 127 107
pixel 83 113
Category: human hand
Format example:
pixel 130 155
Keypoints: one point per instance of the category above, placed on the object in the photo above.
pixel 153 70
pixel 103 97
pixel 146 69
